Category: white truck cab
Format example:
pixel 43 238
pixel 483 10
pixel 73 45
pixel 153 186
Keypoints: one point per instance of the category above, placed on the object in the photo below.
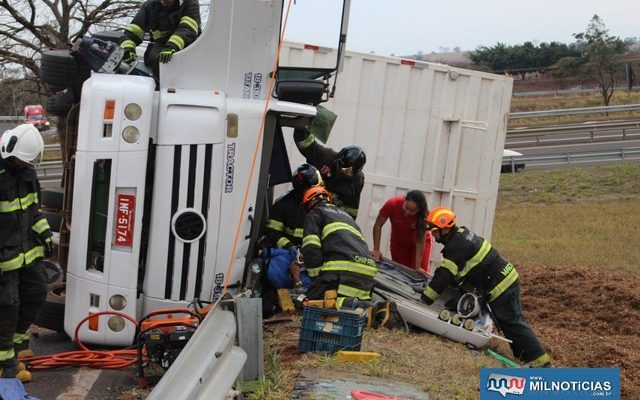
pixel 170 183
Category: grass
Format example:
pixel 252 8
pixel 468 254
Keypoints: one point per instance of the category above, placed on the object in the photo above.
pixel 542 103
pixel 577 216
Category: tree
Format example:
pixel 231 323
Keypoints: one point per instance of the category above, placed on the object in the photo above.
pixel 30 27
pixel 601 56
pixel 522 58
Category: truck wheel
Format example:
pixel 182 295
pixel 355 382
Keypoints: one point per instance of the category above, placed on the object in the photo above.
pixel 60 103
pixel 54 220
pixel 59 68
pixel 51 198
pixel 52 314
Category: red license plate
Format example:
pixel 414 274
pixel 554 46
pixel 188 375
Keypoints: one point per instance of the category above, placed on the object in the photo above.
pixel 124 219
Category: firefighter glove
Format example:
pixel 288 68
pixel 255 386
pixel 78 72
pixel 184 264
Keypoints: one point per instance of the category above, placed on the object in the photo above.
pixel 129 56
pixel 48 247
pixel 165 55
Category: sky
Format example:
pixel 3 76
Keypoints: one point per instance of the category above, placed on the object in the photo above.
pixel 404 27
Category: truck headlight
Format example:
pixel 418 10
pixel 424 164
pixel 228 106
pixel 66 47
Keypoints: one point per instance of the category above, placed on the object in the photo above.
pixel 132 111
pixel 117 302
pixel 116 323
pixel 130 134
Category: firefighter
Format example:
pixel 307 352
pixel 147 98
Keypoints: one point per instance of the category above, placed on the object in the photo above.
pixel 284 230
pixel 334 251
pixel 470 259
pixel 25 238
pixel 173 25
pixel 341 172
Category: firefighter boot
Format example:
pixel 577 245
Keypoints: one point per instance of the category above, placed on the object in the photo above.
pixel 382 313
pixel 11 369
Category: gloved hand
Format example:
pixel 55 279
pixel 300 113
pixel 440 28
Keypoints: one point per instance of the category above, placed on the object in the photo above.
pixel 165 55
pixel 48 247
pixel 129 56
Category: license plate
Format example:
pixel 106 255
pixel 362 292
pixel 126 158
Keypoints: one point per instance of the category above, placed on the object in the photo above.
pixel 124 220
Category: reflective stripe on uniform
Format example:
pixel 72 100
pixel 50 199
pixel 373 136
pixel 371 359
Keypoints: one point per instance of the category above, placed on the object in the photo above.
pixel 350 266
pixel 7 355
pixel 275 225
pixel 41 226
pixel 314 272
pixel 430 293
pixel 19 203
pixel 477 258
pixel 449 266
pixel 176 41
pixel 190 22
pixel 156 35
pixel 503 285
pixel 136 30
pixel 337 226
pixel 350 291
pixel 540 361
pixel 128 44
pixel 283 242
pixel 310 240
pixel 18 338
pixel 22 259
pixel 306 142
pixel 294 232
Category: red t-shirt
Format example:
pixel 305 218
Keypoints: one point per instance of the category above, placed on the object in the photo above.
pixel 404 234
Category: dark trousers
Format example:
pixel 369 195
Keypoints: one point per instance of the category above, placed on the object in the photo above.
pixel 507 310
pixel 321 284
pixel 23 292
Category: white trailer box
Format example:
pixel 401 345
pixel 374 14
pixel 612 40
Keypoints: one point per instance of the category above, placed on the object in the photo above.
pixel 423 126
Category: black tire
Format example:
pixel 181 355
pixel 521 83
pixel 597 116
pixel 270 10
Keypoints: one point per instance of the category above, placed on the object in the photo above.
pixel 54 220
pixel 60 103
pixel 52 314
pixel 59 68
pixel 51 198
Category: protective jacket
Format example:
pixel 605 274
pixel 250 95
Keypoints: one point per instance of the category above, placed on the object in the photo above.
pixel 333 244
pixel 23 228
pixel 469 258
pixel 286 221
pixel 345 190
pixel 175 27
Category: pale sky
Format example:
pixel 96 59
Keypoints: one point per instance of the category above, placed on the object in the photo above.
pixel 404 27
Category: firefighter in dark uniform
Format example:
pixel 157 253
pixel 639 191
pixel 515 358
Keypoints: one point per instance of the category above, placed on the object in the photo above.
pixel 334 251
pixel 286 218
pixel 173 24
pixel 25 238
pixel 341 172
pixel 470 259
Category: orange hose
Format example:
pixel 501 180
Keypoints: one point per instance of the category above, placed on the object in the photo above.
pixel 100 359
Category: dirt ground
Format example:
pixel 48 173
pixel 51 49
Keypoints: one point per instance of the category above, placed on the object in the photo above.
pixel 586 318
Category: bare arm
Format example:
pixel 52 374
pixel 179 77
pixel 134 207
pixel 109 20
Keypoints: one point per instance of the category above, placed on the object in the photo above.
pixel 377 232
pixel 419 254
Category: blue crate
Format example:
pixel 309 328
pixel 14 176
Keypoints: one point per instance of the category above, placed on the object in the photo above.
pixel 329 330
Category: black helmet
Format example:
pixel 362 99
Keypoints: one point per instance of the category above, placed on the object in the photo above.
pixel 305 177
pixel 351 156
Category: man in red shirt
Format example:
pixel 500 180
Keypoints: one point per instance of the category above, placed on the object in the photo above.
pixel 410 241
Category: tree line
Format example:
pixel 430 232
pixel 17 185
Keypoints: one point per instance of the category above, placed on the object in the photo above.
pixel 596 57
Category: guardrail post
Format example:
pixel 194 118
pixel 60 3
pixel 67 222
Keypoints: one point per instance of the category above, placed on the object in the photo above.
pixel 591 135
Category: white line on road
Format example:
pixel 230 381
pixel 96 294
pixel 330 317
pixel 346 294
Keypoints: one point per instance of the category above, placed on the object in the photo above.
pixel 81 383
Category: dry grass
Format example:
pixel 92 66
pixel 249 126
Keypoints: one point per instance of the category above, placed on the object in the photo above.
pixel 578 216
pixel 542 103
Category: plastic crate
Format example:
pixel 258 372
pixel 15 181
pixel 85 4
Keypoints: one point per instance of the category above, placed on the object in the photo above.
pixel 329 330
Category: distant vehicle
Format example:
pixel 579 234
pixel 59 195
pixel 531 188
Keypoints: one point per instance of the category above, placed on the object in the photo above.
pixel 511 159
pixel 36 116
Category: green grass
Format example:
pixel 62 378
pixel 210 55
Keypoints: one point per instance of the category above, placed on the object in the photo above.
pixel 576 216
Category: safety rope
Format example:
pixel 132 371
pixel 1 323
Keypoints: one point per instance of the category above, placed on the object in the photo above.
pixel 255 151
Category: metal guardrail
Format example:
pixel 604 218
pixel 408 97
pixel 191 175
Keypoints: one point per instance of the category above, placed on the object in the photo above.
pixel 617 155
pixel 11 118
pixel 575 111
pixel 574 133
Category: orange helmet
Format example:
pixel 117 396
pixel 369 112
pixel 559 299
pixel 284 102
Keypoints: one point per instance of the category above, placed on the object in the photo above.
pixel 313 193
pixel 441 218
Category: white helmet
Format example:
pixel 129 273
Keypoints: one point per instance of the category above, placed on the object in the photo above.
pixel 23 142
